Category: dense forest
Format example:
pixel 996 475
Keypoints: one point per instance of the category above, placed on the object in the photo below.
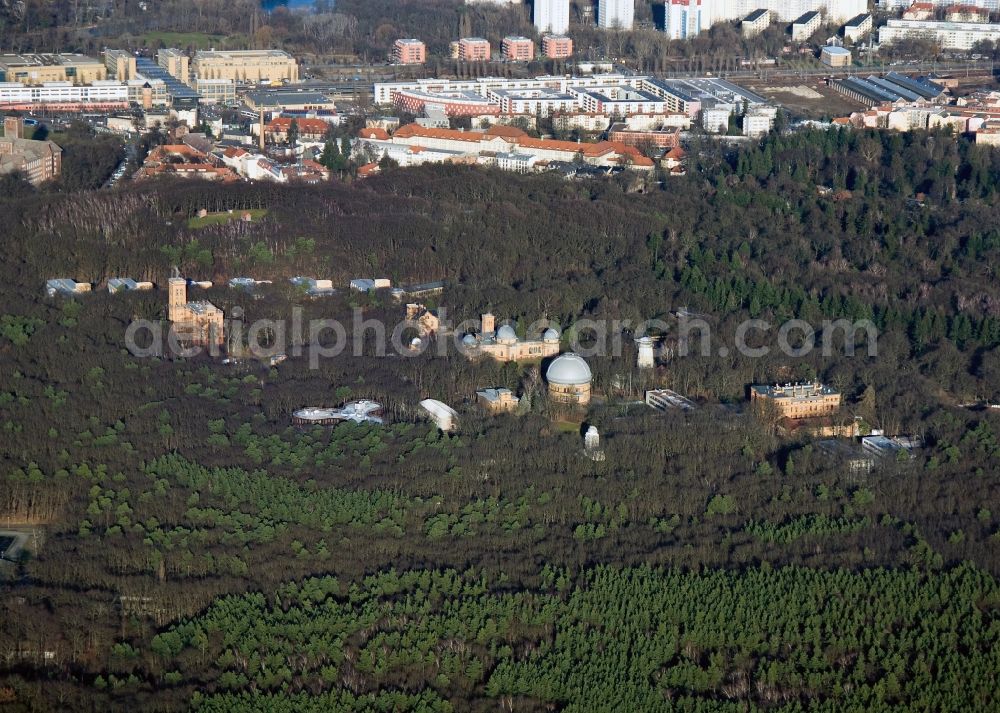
pixel 191 549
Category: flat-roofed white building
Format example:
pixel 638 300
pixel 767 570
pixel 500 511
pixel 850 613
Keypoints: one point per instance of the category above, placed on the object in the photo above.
pixel 949 35
pixel 615 14
pixel 551 16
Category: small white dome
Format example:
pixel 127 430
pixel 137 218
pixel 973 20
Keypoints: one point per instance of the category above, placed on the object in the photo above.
pixel 568 370
pixel 506 333
pixel 469 340
pixel 550 335
pixel 644 341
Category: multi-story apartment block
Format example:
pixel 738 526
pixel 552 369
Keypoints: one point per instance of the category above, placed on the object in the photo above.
pixel 557 46
pixel 805 25
pixel 517 49
pixel 686 18
pixel 755 23
pixel 552 16
pixel 250 66
pixel 473 49
pixel 949 35
pixel 616 14
pixel 409 51
pixel 857 27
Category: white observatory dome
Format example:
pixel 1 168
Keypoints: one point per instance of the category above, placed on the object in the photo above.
pixel 506 333
pixel 550 335
pixel 568 370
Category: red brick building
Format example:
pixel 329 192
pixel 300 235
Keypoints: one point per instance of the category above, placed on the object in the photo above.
pixel 518 49
pixel 409 52
pixel 557 46
pixel 473 49
pixel 665 139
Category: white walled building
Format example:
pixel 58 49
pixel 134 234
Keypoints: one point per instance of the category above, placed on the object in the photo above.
pixel 686 18
pixel 949 35
pixel 616 14
pixel 552 16
pixel 101 92
pixel 992 5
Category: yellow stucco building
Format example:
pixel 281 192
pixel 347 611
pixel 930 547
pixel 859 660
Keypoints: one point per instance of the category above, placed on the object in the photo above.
pixel 193 322
pixel 503 344
pixel 33 69
pixel 250 66
pixel 797 401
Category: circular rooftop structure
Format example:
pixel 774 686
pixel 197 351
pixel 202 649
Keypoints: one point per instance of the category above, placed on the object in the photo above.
pixel 469 340
pixel 550 335
pixel 568 370
pixel 506 333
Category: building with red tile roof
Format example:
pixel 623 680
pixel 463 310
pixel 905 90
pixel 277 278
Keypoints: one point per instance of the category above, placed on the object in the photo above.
pixel 183 161
pixel 505 140
pixel 309 129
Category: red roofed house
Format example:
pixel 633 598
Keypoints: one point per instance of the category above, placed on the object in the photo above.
pixel 919 11
pixel 485 145
pixel 309 129
pixel 184 161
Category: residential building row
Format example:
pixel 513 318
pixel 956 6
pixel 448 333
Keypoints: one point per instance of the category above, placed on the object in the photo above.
pixel 684 19
pixel 947 35
pixel 513 48
pixel 612 94
pixel 506 147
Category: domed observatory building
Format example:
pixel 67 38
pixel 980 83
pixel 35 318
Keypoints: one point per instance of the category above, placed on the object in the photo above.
pixel 569 380
pixel 504 345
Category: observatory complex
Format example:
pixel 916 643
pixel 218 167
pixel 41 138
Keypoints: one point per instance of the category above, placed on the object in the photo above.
pixel 504 345
pixel 193 322
pixel 569 380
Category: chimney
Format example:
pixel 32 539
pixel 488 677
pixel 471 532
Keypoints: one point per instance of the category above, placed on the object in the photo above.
pixel 13 127
pixel 262 129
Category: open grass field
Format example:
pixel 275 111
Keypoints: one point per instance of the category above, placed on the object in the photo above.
pixel 224 217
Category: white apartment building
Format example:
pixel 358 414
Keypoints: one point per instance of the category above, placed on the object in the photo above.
pixel 616 14
pixel 383 91
pixel 687 18
pixel 618 101
pixel 804 26
pixel 540 102
pixel 949 35
pixel 991 5
pixel 552 16
pixel 103 91
pixel 857 27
